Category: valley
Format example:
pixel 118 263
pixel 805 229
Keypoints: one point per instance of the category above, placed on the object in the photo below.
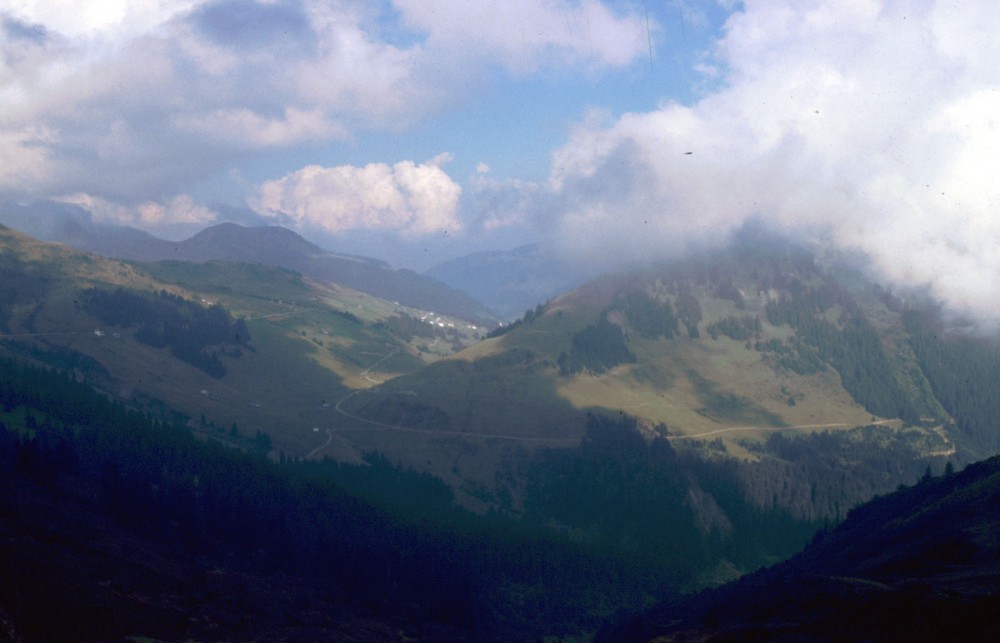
pixel 697 420
pixel 551 320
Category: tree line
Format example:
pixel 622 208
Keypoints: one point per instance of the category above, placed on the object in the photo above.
pixel 963 370
pixel 194 333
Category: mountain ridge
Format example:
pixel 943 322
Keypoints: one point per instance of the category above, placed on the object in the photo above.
pixel 268 245
pixel 710 334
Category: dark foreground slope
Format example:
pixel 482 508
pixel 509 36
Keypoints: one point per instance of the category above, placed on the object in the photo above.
pixel 922 563
pixel 114 524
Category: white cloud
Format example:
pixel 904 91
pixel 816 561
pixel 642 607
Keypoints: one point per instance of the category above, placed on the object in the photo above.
pixel 495 204
pixel 408 198
pixel 181 209
pixel 244 128
pixel 524 35
pixel 869 123
pixel 126 99
pixel 109 18
pixel 136 98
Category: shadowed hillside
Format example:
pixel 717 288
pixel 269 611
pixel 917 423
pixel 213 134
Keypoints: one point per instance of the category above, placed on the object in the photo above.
pixel 922 563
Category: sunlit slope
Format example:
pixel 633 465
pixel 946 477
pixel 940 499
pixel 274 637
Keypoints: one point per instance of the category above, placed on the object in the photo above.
pixel 310 344
pixel 745 342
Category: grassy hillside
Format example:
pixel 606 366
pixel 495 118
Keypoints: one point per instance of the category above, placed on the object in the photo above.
pixel 803 375
pixel 310 344
pixel 118 525
pixel 737 346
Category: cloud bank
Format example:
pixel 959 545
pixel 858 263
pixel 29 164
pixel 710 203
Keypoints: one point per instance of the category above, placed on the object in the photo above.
pixel 869 124
pixel 523 35
pixel 124 102
pixel 410 198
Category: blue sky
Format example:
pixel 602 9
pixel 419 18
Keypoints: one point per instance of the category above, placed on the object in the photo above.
pixel 419 130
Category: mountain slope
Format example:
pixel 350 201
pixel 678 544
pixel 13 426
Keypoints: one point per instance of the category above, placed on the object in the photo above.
pixel 805 387
pixel 737 345
pixel 696 420
pixel 245 348
pixel 922 563
pixel 704 417
pixel 280 247
pixel 117 525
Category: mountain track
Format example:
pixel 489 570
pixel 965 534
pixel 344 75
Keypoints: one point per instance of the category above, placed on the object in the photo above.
pixel 831 425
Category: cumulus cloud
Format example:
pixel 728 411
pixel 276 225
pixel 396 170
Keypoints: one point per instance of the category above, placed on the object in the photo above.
pixel 524 35
pixel 89 19
pixel 126 101
pixel 181 209
pixel 407 197
pixel 872 124
pixel 135 99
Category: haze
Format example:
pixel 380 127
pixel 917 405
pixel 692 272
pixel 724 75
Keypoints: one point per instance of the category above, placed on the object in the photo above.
pixel 418 131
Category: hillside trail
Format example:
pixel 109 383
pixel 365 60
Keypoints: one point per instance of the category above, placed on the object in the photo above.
pixel 374 425
pixel 329 439
pixel 944 453
pixel 830 425
pixel 939 430
pixel 48 333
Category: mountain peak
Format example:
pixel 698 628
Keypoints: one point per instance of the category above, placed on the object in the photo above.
pixel 271 245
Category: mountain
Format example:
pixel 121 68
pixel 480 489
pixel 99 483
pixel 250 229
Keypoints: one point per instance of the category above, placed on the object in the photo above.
pixel 247 348
pixel 267 245
pixel 72 225
pixel 509 282
pixel 646 435
pixel 922 563
pixel 741 344
pixel 772 381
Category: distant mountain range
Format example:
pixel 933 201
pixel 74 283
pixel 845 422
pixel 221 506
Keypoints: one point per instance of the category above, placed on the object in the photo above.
pixel 509 282
pixel 480 286
pixel 267 245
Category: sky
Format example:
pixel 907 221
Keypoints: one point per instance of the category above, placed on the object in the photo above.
pixel 420 130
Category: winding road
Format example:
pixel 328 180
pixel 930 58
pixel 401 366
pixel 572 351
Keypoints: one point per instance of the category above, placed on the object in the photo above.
pixel 831 425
